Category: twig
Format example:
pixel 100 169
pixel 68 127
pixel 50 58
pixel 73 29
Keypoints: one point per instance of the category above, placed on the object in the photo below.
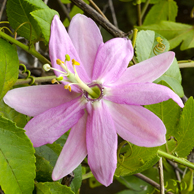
pixel 150 181
pixel 2 8
pixel 64 9
pixel 160 166
pixel 97 9
pixel 113 13
pixel 99 19
pixel 185 65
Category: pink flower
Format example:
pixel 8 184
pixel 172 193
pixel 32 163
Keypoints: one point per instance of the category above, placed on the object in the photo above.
pixel 118 93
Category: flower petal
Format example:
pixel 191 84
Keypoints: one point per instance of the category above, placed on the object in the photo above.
pixel 138 125
pixel 112 60
pixel 50 125
pixel 73 152
pixel 141 94
pixel 148 70
pixel 86 38
pixel 60 44
pixel 34 100
pixel 101 139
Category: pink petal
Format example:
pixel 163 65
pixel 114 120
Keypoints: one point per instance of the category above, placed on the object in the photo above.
pixel 34 100
pixel 112 60
pixel 138 125
pixel 86 38
pixel 101 139
pixel 50 125
pixel 73 152
pixel 141 94
pixel 60 44
pixel 148 70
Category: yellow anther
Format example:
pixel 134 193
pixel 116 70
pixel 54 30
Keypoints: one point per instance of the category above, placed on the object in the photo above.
pixel 67 87
pixel 74 62
pixel 53 81
pixel 59 62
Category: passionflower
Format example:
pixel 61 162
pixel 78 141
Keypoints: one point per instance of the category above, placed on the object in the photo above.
pixel 99 98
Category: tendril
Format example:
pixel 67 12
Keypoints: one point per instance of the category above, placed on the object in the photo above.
pixel 4 27
pixel 160 47
pixel 15 32
pixel 25 70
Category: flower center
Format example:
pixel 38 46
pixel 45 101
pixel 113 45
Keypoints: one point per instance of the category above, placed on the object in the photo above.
pixel 93 92
pixel 97 88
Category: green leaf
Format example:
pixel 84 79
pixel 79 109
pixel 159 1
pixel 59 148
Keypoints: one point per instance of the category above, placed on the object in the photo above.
pixel 77 181
pixel 43 169
pixel 52 188
pixel 169 112
pixel 9 65
pixel 136 159
pixel 146 47
pixel 173 78
pixel 152 1
pixel 18 12
pixel 164 10
pixel 146 43
pixel 187 181
pixel 184 134
pixel 44 18
pixel 12 115
pixel 175 33
pixel 17 161
pixel 65 1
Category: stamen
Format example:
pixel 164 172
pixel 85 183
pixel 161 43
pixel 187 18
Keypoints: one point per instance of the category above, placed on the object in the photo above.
pixel 74 62
pixel 68 87
pixel 53 81
pixel 67 57
pixel 46 67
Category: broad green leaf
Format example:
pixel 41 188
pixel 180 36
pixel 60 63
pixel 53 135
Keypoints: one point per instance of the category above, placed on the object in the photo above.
pixel 147 46
pixel 169 112
pixel 164 10
pixel 9 65
pixel 17 161
pixel 175 33
pixel 173 78
pixel 65 1
pixel 49 152
pixel 187 182
pixel 18 12
pixel 43 169
pixel 77 181
pixel 184 134
pixel 12 115
pixel 136 159
pixel 44 18
pixel 52 188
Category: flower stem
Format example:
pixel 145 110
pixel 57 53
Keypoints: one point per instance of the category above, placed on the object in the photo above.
pixel 87 175
pixel 182 161
pixel 139 12
pixel 186 64
pixel 25 47
pixel 145 8
pixel 134 37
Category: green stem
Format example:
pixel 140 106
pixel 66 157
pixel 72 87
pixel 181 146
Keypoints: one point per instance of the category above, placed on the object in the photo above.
pixel 134 37
pixel 139 12
pixel 37 79
pixel 25 47
pixel 86 176
pixel 176 159
pixel 185 65
pixel 145 8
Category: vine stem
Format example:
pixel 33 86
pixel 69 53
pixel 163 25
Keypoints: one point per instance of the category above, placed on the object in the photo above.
pixel 145 8
pixel 160 166
pixel 37 79
pixel 25 47
pixel 185 65
pixel 176 159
